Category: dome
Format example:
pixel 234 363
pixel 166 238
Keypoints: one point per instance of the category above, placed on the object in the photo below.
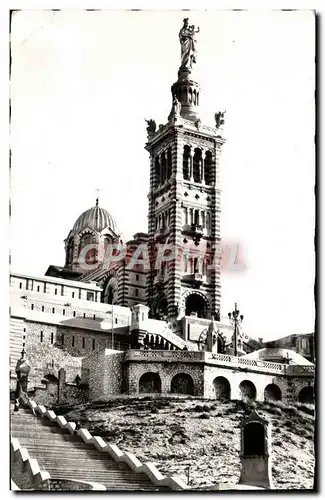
pixel 96 218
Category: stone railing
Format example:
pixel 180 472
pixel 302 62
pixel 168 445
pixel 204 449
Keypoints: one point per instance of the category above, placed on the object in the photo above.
pixel 176 340
pixel 308 370
pixel 156 355
pixel 259 365
pixel 25 471
pixel 218 359
pixel 154 475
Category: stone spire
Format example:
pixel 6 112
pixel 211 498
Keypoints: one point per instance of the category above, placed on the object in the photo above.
pixel 186 92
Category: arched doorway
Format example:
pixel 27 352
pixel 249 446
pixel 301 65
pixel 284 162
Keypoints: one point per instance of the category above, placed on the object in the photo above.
pixel 110 291
pixel 195 305
pixel 254 442
pixel 247 390
pixel 306 395
pixel 150 383
pixel 221 388
pixel 272 392
pixel 182 383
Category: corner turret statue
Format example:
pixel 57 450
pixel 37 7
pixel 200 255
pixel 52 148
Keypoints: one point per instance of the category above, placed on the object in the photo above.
pixel 188 45
pixel 219 118
pixel 151 127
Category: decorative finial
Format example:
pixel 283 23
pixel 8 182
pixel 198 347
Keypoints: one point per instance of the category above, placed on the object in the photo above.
pixel 97 199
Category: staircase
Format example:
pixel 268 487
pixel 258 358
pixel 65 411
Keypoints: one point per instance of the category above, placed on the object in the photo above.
pixel 66 456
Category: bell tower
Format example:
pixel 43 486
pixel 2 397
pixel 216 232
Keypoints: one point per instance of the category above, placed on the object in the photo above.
pixel 184 201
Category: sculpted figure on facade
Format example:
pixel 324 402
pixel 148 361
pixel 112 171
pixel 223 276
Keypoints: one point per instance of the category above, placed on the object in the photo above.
pixel 151 126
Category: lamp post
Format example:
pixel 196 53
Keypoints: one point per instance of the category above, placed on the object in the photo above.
pixel 235 319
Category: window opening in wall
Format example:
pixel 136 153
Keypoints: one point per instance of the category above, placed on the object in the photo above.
pixel 52 337
pixel 94 316
pixel 41 339
pixel 38 288
pixel 56 292
pixel 116 321
pixel 62 339
pixel 136 292
pixel 53 310
pixel 62 290
pixel 74 314
pixel 93 344
pixel 137 277
pixel 79 293
pixel 63 312
pixel 44 287
pixel 20 285
pixel 90 296
pixel 73 295
pixel 83 342
pixel 32 307
pixel 84 315
pixel 72 340
pixel 42 308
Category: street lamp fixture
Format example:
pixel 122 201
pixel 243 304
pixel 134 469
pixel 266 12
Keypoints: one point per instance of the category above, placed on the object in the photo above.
pixel 236 319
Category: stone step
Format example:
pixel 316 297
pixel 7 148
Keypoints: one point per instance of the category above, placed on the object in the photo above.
pixel 66 456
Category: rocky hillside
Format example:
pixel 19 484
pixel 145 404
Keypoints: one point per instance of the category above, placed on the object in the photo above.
pixel 200 440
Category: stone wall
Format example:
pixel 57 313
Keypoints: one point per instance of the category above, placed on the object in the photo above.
pixel 105 373
pixel 50 347
pixel 133 372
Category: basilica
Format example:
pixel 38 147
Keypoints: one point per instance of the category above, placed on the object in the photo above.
pixel 144 315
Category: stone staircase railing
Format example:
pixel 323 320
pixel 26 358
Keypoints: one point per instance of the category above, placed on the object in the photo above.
pixel 174 339
pixel 154 475
pixel 25 467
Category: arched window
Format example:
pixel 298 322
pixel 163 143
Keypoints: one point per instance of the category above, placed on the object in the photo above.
pixel 197 160
pixel 69 254
pixel 89 256
pixel 208 168
pixel 157 171
pixel 186 162
pixel 169 163
pixel 163 168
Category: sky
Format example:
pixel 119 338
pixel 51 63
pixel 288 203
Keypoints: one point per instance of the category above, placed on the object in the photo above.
pixel 82 85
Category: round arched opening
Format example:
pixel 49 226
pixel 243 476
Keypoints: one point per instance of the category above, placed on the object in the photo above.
pixel 182 383
pixel 247 390
pixel 272 392
pixel 221 388
pixel 196 306
pixel 306 395
pixel 110 291
pixel 150 383
pixel 161 307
